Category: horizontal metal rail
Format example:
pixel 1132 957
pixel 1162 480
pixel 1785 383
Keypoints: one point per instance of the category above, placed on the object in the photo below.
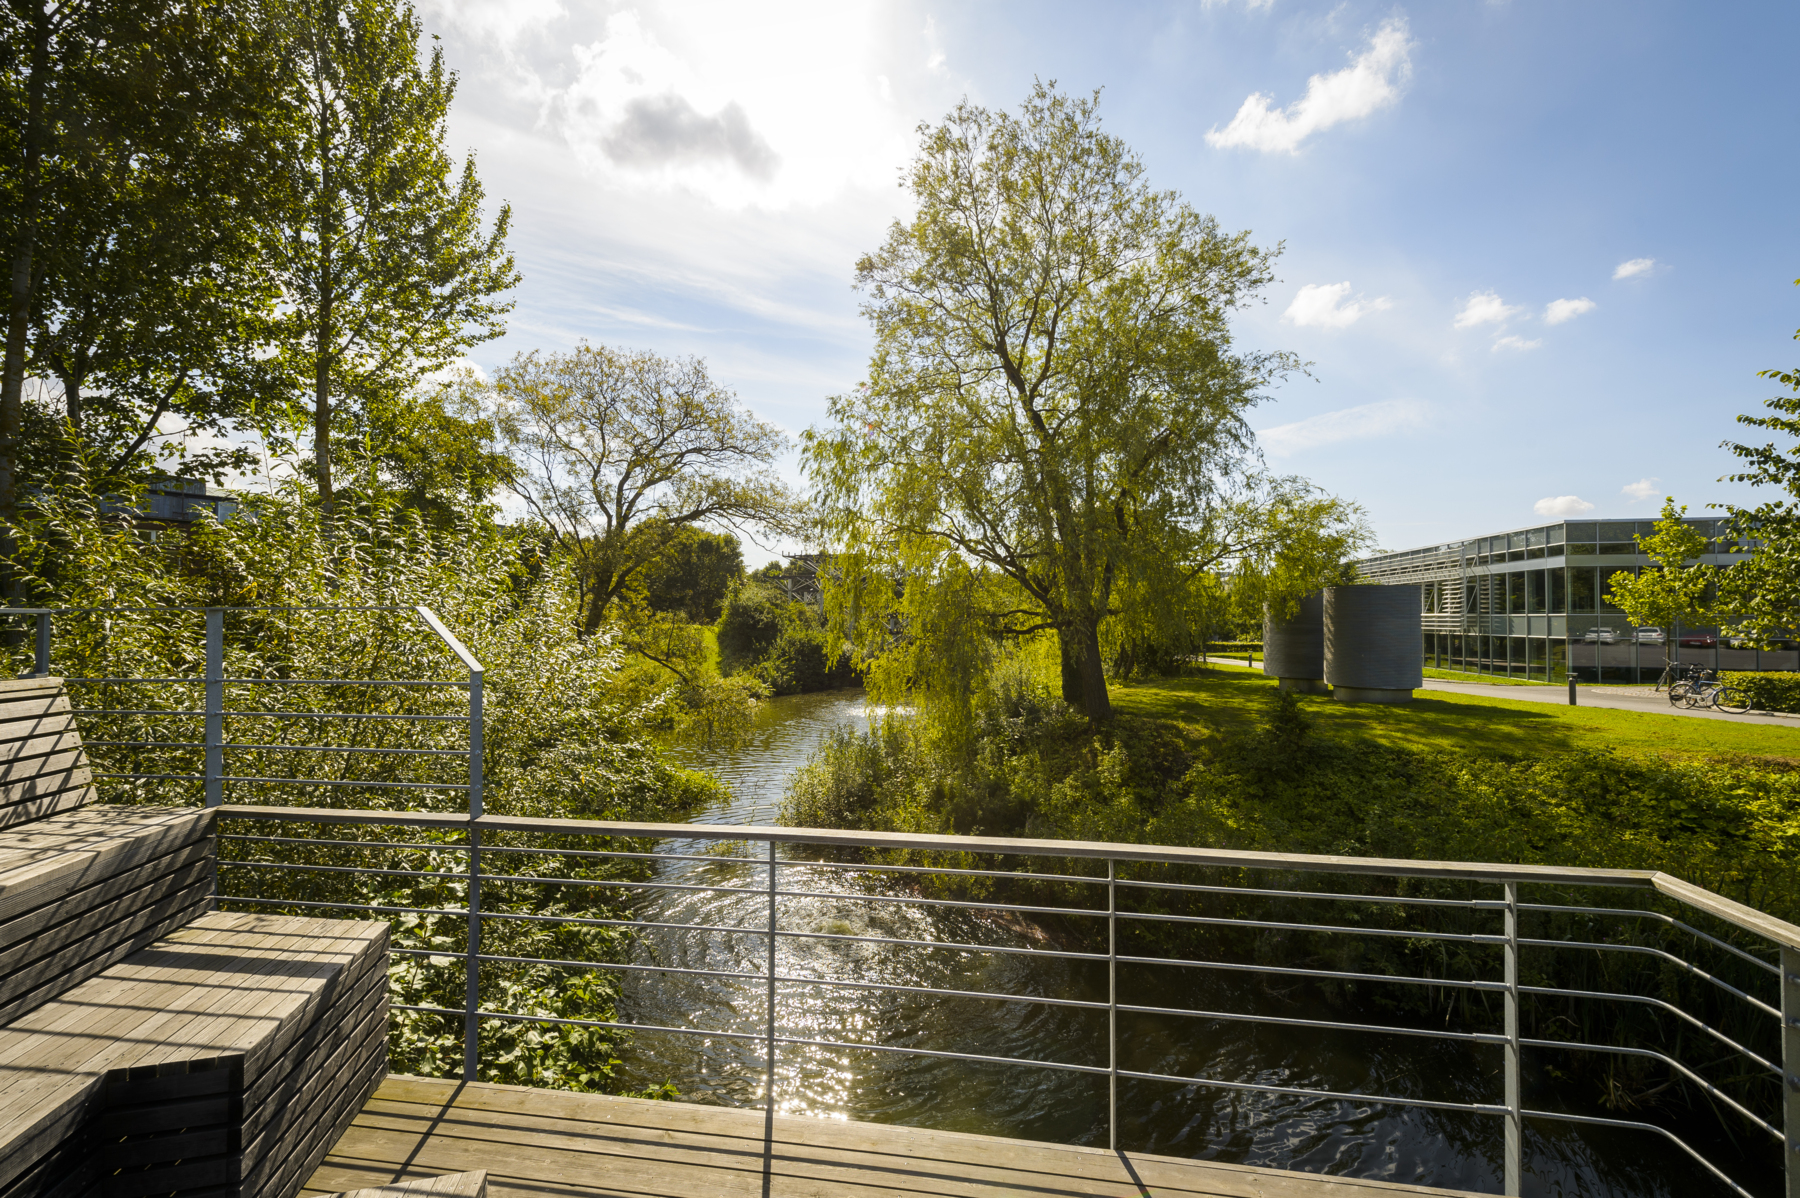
pixel 757 878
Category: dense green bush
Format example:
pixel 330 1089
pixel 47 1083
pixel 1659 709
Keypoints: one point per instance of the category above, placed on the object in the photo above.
pixel 780 642
pixel 566 733
pixel 1767 690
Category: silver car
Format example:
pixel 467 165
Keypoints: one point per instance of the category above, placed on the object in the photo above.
pixel 1651 636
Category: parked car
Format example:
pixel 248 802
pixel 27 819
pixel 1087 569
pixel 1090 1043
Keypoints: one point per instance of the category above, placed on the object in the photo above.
pixel 1651 636
pixel 1698 640
pixel 1602 636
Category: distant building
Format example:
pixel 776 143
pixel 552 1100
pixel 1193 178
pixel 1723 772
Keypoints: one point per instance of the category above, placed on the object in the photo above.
pixel 176 503
pixel 1531 603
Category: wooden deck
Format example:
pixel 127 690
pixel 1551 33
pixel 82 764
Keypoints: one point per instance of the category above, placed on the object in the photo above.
pixel 547 1144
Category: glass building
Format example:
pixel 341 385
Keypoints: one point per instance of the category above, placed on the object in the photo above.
pixel 1532 604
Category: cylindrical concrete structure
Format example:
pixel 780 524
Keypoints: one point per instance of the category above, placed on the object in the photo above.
pixel 1373 648
pixel 1294 650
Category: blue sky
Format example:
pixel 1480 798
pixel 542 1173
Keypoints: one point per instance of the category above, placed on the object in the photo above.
pixel 1535 253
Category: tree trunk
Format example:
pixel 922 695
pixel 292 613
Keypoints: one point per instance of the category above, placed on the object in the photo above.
pixel 1067 640
pixel 1096 704
pixel 322 431
pixel 18 309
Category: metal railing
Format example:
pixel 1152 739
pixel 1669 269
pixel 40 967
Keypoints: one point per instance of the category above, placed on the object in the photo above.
pixel 214 711
pixel 1135 893
pixel 1717 1001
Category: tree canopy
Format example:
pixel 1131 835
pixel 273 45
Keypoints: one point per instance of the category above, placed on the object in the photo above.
pixel 1677 587
pixel 1762 591
pixel 617 451
pixel 385 269
pixel 1054 393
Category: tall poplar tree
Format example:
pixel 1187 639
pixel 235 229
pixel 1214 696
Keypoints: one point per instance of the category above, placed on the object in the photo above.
pixel 385 268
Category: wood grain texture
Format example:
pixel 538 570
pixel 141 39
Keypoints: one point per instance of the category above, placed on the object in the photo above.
pixel 545 1143
pixel 279 1017
pixel 43 768
pixel 472 1184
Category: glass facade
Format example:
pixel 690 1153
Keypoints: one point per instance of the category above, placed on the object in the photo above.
pixel 1533 604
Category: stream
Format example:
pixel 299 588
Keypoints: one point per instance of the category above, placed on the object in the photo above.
pixel 1413 1145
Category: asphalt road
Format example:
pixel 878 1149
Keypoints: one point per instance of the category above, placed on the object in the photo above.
pixel 1599 697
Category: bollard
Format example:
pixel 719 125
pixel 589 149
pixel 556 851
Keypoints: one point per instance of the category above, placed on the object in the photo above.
pixel 1572 702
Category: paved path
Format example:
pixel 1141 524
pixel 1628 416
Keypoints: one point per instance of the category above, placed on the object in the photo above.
pixel 1617 700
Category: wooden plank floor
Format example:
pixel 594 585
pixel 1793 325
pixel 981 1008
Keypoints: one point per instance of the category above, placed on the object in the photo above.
pixel 548 1144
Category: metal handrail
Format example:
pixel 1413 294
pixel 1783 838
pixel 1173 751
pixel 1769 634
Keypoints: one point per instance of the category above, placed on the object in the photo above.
pixel 1786 940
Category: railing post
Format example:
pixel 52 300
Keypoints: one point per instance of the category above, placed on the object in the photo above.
pixel 1515 1130
pixel 1112 1003
pixel 769 1052
pixel 215 706
pixel 472 969
pixel 472 962
pixel 1790 1064
pixel 41 665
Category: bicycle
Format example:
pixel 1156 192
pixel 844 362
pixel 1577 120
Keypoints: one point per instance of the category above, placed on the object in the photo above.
pixel 1708 691
pixel 1674 675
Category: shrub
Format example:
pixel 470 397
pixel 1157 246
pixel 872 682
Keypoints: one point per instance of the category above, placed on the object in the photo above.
pixel 1767 690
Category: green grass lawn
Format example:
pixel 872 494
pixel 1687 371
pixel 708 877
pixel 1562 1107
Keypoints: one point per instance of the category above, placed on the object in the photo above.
pixel 1237 699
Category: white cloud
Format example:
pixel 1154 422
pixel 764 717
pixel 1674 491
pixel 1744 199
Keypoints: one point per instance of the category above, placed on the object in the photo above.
pixel 1484 307
pixel 934 46
pixel 734 103
pixel 496 22
pixel 1562 505
pixel 1348 424
pixel 1518 343
pixel 1320 305
pixel 1372 81
pixel 1634 268
pixel 1642 489
pixel 1567 309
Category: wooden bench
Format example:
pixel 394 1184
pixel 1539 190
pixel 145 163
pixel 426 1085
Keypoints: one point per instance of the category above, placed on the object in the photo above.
pixel 150 1045
pixel 81 889
pixel 43 768
pixel 225 1058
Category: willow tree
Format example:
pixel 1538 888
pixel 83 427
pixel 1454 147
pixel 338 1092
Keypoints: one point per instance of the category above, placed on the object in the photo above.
pixel 1054 391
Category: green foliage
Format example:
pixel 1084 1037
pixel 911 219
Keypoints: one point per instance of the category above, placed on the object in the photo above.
pixel 1767 691
pixel 566 735
pixel 618 451
pixel 385 271
pixel 693 573
pixel 1053 399
pixel 1763 591
pixel 139 147
pixel 780 642
pixel 1671 591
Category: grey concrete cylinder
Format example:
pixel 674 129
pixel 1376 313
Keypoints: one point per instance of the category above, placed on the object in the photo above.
pixel 1372 643
pixel 1294 650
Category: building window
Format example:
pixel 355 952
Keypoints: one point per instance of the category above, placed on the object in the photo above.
pixel 1515 588
pixel 1581 590
pixel 1607 574
pixel 1538 596
pixel 1558 591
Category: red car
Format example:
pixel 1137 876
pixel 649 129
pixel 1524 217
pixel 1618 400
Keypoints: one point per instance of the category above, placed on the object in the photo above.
pixel 1698 640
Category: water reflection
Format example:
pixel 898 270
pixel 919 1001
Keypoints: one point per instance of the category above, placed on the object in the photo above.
pixel 1352 1139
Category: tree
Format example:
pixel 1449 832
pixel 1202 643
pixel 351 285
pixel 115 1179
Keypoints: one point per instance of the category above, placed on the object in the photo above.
pixel 1054 392
pixel 618 451
pixel 693 573
pixel 1762 591
pixel 385 270
pixel 1672 590
pixel 133 137
pixel 150 276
